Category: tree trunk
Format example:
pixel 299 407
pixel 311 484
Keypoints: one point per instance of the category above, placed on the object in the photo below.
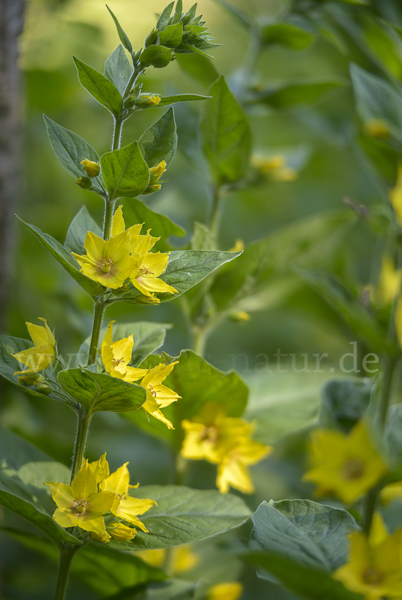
pixel 11 23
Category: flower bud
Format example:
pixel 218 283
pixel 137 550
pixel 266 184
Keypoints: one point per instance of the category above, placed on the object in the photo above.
pixel 92 169
pixel 377 128
pixel 152 38
pixel 84 182
pixel 142 299
pixel 240 315
pixel 144 101
pixel 121 532
pixel 31 379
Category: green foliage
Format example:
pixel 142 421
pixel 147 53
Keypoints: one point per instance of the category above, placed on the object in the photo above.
pixel 344 403
pixel 80 225
pixel 287 35
pixel 123 37
pixel 118 69
pixel 100 88
pixel 184 515
pixel 125 172
pixel 226 136
pixel 164 140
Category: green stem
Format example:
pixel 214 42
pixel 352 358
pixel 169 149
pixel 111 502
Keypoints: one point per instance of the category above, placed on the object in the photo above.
pixel 84 420
pixel 96 328
pixel 369 504
pixel 108 219
pixel 117 130
pixel 199 340
pixel 66 557
pixel 214 216
pixel 388 373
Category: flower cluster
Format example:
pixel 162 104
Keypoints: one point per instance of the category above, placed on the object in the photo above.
pixel 346 466
pixel 116 357
pixel 125 259
pixel 99 502
pixel 41 355
pixel 224 441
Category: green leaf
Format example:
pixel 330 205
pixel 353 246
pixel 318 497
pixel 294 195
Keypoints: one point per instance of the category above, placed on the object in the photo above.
pixel 172 35
pixel 66 260
pixel 202 238
pixel 101 392
pixel 348 307
pixel 226 136
pixel 164 17
pixel 184 515
pixel 102 569
pixel 125 171
pixel 23 469
pixel 304 532
pixel 344 403
pixel 185 269
pixel 100 88
pixel 164 140
pixel 156 56
pixel 174 589
pixel 306 582
pixel 80 225
pixel 199 68
pixel 166 100
pixel 377 99
pixel 123 37
pixel 393 436
pixel 118 69
pixel 70 150
pixel 286 34
pixel 294 94
pixel 9 365
pixel 161 226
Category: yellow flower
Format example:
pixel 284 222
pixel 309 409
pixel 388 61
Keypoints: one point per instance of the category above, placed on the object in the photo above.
pixel 344 466
pixel 233 469
pixel 239 245
pixel 180 560
pixel 241 315
pixel 395 196
pixel 267 164
pixel 146 279
pixel 391 492
pixel 117 355
pixel 125 507
pixel 377 128
pixel 224 441
pixel 121 532
pixel 81 504
pixel 158 395
pixel 107 262
pixel 144 101
pixel 390 281
pixel 92 169
pixel 43 352
pixel 155 174
pixel 374 566
pixel 225 591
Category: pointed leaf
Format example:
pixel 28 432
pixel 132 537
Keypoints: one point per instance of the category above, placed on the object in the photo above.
pixel 171 36
pixel 226 136
pixel 161 226
pixel 70 150
pixel 125 171
pixel 66 261
pixel 344 402
pixel 80 225
pixel 166 100
pixel 156 56
pixel 118 69
pixel 164 143
pixel 23 469
pixel 123 37
pixel 101 392
pixel 184 515
pixel 164 17
pixel 100 88
pixel 287 35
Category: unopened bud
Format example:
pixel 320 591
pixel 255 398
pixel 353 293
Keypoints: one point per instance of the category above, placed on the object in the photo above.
pixel 144 101
pixel 377 128
pixel 142 299
pixel 157 171
pixel 31 379
pixel 241 315
pixel 151 189
pixel 84 182
pixel 129 102
pixel 92 169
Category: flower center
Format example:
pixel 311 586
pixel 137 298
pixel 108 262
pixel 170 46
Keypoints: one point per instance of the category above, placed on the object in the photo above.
pixel 353 469
pixel 106 265
pixel 80 506
pixel 209 434
pixel 151 389
pixel 143 271
pixel 372 576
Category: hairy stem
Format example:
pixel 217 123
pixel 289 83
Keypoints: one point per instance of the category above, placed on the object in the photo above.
pixel 108 219
pixel 84 420
pixel 66 557
pixel 96 328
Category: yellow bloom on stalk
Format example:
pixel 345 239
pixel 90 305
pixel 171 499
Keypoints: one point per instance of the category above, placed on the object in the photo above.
pixel 125 506
pixel 273 166
pixel 346 466
pixel 117 355
pixel 391 492
pixel 158 395
pixel 374 566
pixel 395 196
pixel 43 352
pixel 107 262
pixel 224 441
pixel 92 169
pixel 155 174
pixel 181 559
pixel 81 504
pixel 377 128
pixel 225 591
pixel 390 281
pixel 149 265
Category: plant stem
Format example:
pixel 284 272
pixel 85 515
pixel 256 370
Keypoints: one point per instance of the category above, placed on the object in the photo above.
pixel 66 556
pixel 84 420
pixel 117 130
pixel 108 219
pixel 214 216
pixel 388 372
pixel 199 339
pixel 97 324
pixel 369 504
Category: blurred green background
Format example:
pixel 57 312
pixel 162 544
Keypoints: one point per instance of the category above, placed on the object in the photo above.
pixel 323 132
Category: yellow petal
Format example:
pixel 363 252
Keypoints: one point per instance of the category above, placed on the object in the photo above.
pixel 118 225
pixel 84 483
pixel 225 591
pixel 36 359
pixel 93 523
pixel 152 407
pixel 100 468
pixel 156 262
pixel 65 518
pixel 95 246
pixel 62 494
pixel 129 508
pixel 41 336
pixel 101 502
pixel 118 481
pixel 133 374
pixel 158 374
pixel 234 473
pixel 147 284
pixel 122 532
